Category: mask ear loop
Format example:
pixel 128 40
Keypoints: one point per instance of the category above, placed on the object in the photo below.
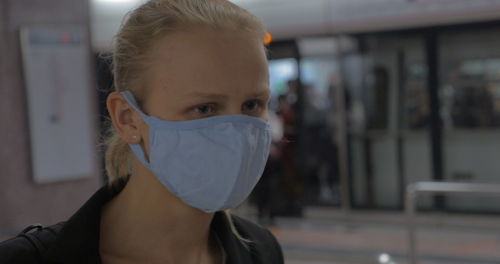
pixel 136 148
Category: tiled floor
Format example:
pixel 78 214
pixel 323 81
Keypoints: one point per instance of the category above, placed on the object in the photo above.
pixel 363 237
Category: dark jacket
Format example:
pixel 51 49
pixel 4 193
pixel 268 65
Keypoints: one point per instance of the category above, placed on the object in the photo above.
pixel 76 241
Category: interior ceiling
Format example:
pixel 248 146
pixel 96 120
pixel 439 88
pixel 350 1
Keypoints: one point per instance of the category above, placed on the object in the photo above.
pixel 292 18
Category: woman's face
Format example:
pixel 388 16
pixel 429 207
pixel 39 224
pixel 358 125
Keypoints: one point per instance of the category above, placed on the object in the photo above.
pixel 204 72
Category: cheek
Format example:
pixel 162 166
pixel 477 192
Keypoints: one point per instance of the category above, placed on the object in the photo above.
pixel 265 115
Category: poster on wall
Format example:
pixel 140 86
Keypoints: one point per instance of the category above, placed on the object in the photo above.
pixel 59 102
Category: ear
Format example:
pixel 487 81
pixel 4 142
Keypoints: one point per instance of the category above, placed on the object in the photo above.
pixel 126 120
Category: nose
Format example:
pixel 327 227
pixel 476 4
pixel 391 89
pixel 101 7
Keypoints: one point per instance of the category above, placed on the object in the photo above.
pixel 234 108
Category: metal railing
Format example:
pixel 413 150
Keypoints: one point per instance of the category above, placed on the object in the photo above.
pixel 414 189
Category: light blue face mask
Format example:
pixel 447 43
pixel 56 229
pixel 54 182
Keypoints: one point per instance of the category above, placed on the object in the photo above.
pixel 212 163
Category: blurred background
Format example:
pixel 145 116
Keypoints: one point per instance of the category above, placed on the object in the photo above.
pixel 368 97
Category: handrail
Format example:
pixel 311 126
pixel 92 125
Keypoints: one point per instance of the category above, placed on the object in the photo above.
pixel 412 191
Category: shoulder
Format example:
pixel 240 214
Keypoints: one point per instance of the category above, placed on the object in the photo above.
pixel 29 247
pixel 262 241
pixel 18 250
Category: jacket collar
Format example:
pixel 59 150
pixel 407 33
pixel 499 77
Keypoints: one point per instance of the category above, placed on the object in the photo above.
pixel 78 240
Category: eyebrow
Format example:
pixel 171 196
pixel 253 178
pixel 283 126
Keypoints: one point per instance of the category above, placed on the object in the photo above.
pixel 262 93
pixel 207 95
pixel 215 96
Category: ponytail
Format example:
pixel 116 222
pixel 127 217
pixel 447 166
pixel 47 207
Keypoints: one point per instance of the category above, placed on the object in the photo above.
pixel 117 158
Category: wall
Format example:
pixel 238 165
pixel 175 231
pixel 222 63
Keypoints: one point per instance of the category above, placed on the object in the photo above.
pixel 22 202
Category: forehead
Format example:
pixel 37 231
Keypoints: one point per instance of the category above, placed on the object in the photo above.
pixel 205 59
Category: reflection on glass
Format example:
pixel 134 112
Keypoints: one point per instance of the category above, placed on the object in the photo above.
pixel 416 97
pixel 471 94
pixel 280 72
pixel 317 76
pixel 376 97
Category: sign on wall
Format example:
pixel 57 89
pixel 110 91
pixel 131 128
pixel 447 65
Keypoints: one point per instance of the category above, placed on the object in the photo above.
pixel 60 103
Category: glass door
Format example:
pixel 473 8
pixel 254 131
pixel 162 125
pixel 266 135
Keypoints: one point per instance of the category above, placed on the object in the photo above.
pixel 388 119
pixel 470 110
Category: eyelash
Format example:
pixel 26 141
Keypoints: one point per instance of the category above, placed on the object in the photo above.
pixel 259 103
pixel 213 107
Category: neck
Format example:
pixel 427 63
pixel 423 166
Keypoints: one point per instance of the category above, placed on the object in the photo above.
pixel 148 224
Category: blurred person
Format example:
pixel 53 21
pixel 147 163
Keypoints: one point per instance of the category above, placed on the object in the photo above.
pixel 291 184
pixel 267 193
pixel 291 92
pixel 189 139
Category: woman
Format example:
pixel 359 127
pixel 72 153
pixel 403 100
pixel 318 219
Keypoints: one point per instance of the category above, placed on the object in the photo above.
pixel 189 140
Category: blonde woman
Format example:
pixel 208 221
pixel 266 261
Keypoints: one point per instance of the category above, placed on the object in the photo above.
pixel 189 140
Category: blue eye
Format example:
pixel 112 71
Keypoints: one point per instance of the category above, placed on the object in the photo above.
pixel 206 109
pixel 251 105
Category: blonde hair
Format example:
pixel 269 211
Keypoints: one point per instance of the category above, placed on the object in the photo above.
pixel 147 24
